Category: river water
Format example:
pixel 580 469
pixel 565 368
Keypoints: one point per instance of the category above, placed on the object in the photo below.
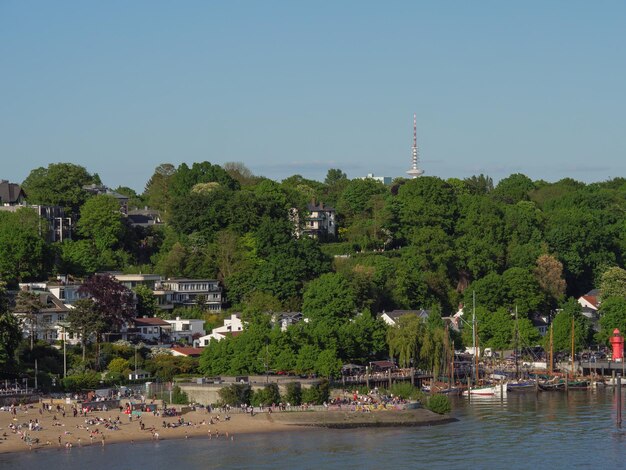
pixel 549 430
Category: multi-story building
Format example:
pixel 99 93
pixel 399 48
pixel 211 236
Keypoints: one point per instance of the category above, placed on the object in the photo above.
pixel 186 330
pixel 206 293
pixel 320 222
pixel 233 326
pixel 47 322
pixel 131 281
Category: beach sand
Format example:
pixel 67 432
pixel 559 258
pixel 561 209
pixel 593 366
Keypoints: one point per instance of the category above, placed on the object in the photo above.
pixel 77 432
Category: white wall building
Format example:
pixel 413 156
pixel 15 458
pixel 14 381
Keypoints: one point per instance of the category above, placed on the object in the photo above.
pixel 186 292
pixel 186 329
pixel 233 326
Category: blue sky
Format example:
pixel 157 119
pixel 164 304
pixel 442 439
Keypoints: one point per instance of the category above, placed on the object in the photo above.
pixel 536 87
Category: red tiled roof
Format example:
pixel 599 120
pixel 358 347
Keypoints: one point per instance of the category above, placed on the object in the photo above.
pixel 188 351
pixel 592 299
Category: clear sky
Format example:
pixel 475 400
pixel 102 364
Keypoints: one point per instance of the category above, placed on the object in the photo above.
pixel 294 87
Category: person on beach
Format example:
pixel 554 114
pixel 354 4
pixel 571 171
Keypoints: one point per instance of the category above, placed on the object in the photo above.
pixel 102 440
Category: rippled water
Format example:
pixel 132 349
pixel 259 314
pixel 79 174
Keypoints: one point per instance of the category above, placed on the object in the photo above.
pixel 554 430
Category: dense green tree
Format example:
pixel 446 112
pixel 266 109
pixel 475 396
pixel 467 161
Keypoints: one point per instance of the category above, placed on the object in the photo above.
pixel 480 236
pixel 583 242
pixel 102 222
pixel 293 393
pixel 612 315
pixel 60 184
pixel 329 297
pixel 480 185
pixel 613 283
pixel 10 335
pixel 405 340
pixel 86 321
pixel 328 364
pixel 356 198
pixel 522 291
pixel 236 395
pixel 22 246
pixel 156 192
pixel 425 202
pixel 562 327
pixel 146 302
pixel 513 189
pixel 184 178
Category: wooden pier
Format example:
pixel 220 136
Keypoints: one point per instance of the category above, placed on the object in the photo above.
pixel 387 378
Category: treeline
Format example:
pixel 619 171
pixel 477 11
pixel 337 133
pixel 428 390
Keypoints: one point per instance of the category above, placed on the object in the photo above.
pixel 414 244
pixel 424 243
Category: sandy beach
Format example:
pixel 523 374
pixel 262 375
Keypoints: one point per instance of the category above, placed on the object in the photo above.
pixel 60 432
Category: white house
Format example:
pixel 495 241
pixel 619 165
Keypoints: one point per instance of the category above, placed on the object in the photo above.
pixel 186 329
pixel 45 324
pixel 590 303
pixel 149 329
pixel 233 326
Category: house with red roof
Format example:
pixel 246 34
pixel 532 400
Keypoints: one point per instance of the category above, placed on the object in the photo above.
pixel 186 352
pixel 590 303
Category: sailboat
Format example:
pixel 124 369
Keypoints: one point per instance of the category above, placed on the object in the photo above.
pixel 488 390
pixel 519 385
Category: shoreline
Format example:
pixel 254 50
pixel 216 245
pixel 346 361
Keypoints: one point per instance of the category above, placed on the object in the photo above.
pixel 74 432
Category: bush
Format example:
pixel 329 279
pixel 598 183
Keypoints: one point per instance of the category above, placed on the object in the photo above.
pixel 439 404
pixel 293 393
pixel 266 396
pixel 407 391
pixel 179 397
pixel 78 382
pixel 317 394
pixel 235 395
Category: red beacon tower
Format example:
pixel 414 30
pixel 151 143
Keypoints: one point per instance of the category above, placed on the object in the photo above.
pixel 617 342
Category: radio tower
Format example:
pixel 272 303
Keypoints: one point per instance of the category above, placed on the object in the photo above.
pixel 415 171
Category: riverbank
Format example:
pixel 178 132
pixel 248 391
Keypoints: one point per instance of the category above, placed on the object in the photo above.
pixel 64 432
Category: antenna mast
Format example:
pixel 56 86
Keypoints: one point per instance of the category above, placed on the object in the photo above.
pixel 415 170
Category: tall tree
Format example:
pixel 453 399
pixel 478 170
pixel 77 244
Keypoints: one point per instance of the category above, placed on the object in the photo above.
pixel 156 192
pixel 549 275
pixel 60 184
pixel 112 300
pixel 29 305
pixel 613 283
pixel 85 320
pixel 10 334
pixel 146 301
pixel 405 340
pixel 612 315
pixel 329 297
pixel 22 246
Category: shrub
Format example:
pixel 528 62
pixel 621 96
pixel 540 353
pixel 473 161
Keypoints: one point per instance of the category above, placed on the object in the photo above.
pixel 179 397
pixel 439 404
pixel 266 396
pixel 317 394
pixel 407 391
pixel 293 393
pixel 86 380
pixel 235 395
